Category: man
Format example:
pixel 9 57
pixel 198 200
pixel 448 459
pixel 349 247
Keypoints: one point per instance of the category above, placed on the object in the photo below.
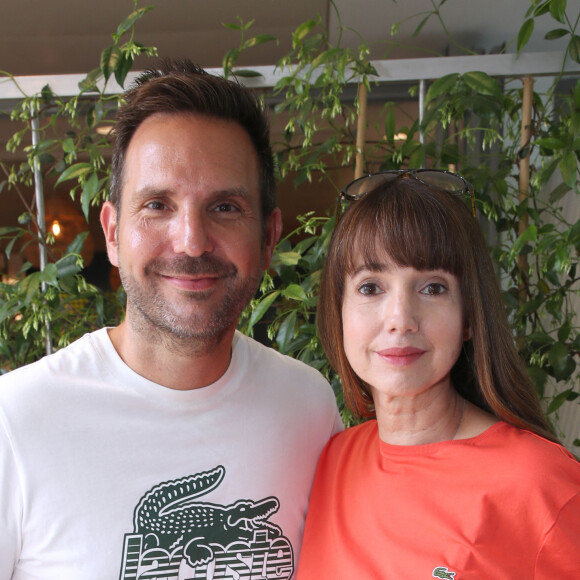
pixel 170 446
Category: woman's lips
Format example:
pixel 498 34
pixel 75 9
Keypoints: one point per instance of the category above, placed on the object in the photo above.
pixel 401 356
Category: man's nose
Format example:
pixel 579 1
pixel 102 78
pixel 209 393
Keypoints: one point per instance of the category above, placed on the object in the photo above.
pixel 191 233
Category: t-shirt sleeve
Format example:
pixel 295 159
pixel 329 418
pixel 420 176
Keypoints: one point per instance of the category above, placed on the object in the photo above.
pixel 559 556
pixel 10 507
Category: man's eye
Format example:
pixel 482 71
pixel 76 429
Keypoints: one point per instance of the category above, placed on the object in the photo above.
pixel 369 289
pixel 225 208
pixel 434 289
pixel 156 205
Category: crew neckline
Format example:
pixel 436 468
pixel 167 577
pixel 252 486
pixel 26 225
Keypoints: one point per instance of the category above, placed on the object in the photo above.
pixel 124 375
pixel 387 449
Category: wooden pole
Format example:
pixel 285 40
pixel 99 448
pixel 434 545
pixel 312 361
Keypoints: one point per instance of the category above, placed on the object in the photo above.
pixel 361 131
pixel 524 178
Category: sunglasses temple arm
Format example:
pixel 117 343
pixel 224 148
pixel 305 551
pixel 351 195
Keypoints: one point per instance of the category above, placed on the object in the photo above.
pixel 338 208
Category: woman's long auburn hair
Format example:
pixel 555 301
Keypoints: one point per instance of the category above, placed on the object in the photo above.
pixel 418 226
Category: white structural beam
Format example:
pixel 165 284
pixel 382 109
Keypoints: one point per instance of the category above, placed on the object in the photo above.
pixel 404 70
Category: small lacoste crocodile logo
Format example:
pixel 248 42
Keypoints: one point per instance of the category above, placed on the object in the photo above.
pixel 443 572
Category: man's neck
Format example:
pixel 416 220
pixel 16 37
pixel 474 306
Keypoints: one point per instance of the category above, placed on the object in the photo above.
pixel 175 364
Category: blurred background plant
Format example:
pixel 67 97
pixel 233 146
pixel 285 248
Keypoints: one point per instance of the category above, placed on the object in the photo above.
pixel 50 303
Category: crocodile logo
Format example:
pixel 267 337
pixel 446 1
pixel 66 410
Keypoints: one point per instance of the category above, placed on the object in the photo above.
pixel 176 535
pixel 443 572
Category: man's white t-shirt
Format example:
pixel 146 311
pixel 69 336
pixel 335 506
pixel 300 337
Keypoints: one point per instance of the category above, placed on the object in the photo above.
pixel 105 475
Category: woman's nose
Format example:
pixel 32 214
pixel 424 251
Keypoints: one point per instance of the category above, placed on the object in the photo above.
pixel 402 315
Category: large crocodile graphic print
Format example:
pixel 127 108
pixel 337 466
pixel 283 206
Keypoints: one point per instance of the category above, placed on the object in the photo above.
pixel 177 537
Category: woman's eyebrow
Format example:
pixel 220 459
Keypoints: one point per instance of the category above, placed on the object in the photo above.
pixel 371 267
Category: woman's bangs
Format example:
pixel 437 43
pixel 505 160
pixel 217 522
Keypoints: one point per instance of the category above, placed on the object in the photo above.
pixel 413 231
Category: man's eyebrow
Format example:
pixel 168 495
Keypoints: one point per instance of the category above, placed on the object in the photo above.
pixel 240 192
pixel 220 194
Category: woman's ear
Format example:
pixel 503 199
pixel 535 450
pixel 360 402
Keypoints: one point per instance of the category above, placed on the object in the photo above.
pixel 466 331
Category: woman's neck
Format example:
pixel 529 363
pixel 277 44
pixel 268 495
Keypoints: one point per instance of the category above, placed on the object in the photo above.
pixel 430 419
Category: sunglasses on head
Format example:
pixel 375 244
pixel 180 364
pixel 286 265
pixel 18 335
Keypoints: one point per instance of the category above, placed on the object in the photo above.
pixel 444 180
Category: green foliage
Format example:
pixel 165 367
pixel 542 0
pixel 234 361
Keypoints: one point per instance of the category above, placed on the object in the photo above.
pixel 57 305
pixel 472 121
pixel 557 10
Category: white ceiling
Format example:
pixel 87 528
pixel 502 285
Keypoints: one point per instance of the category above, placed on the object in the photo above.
pixel 66 36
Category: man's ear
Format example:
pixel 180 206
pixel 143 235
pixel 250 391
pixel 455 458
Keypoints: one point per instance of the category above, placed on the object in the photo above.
pixel 109 224
pixel 273 232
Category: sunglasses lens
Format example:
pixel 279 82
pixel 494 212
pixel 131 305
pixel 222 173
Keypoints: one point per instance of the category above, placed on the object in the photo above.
pixel 445 181
pixel 360 187
pixel 449 182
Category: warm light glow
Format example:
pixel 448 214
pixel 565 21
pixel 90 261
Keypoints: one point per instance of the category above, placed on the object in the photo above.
pixel 104 130
pixel 55 228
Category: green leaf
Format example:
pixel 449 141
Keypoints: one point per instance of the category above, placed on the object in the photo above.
pixel 569 168
pixel 122 69
pixel 76 246
pixel 90 190
pixel 229 60
pixel 69 265
pixel 390 126
pixel 68 145
pixel 539 378
pixel 556 33
pixel 525 33
pixel 420 26
pixel 575 125
pixel 49 274
pixel 259 39
pixel 74 172
pixel 560 360
pixel 539 9
pixel 89 83
pixel 231 25
pixel 550 143
pixel 286 332
pixel 288 258
pixel 30 286
pixel 574 48
pixel 530 306
pixel 46 94
pixel 109 59
pixel 129 22
pixel 559 192
pixel 441 86
pixel 564 332
pixel 482 83
pixel 295 292
pixel 262 307
pixel 560 399
pixel 304 29
pixel 247 73
pixel 558 10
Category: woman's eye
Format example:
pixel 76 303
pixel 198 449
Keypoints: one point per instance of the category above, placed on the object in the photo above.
pixel 434 289
pixel 369 289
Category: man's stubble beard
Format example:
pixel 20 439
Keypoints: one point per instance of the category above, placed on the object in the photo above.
pixel 187 328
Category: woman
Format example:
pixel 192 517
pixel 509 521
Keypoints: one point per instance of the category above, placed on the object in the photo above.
pixel 459 476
